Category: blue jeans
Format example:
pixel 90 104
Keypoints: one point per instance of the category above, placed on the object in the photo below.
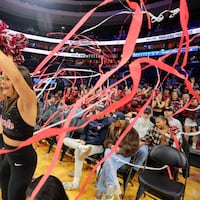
pixel 108 174
pixel 141 156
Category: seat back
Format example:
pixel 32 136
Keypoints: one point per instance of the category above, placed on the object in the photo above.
pixel 77 132
pixel 167 155
pixel 157 182
pixel 80 122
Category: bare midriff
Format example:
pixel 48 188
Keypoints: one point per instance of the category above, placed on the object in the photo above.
pixel 11 142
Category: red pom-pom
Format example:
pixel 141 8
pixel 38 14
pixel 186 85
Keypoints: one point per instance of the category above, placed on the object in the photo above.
pixel 3 26
pixel 12 44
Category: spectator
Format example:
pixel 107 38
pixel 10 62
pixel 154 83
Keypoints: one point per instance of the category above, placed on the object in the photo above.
pixel 190 123
pixel 158 104
pixel 142 125
pixel 173 122
pixel 174 102
pixel 107 183
pixel 52 189
pixel 90 143
pixel 161 133
pixel 197 118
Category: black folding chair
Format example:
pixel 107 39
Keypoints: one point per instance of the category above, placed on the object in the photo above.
pixel 157 182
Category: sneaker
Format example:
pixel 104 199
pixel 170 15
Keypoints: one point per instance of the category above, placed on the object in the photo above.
pixel 99 195
pixel 194 146
pixel 110 192
pixel 84 153
pixel 70 186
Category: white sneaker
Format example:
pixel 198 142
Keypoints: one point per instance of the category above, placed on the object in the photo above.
pixel 110 192
pixel 99 195
pixel 194 146
pixel 70 186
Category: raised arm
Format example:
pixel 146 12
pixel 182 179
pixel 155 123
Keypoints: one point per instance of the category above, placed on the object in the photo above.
pixel 11 71
pixel 27 102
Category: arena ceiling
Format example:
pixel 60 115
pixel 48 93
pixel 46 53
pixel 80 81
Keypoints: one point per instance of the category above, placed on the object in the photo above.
pixel 67 13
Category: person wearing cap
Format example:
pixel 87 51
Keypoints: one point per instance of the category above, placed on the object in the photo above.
pixel 173 122
pixel 108 184
pixel 118 116
pixel 90 143
pixel 142 125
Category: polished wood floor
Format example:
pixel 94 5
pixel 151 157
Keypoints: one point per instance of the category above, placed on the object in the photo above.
pixel 63 168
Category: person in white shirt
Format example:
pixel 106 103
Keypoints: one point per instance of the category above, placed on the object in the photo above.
pixel 143 123
pixel 168 113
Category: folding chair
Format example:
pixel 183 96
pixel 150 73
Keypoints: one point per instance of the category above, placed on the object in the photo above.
pixel 156 182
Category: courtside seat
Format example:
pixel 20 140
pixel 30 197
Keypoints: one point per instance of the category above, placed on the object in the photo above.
pixel 157 182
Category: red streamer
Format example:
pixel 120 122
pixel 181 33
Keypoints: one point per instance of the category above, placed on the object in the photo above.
pixel 135 74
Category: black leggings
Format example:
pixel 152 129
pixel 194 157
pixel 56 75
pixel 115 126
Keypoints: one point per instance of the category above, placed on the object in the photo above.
pixel 1 146
pixel 16 172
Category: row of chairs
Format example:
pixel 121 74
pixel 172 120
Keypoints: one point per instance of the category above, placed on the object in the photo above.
pixel 152 181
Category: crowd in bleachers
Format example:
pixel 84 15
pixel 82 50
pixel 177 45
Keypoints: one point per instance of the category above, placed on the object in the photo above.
pixel 175 96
